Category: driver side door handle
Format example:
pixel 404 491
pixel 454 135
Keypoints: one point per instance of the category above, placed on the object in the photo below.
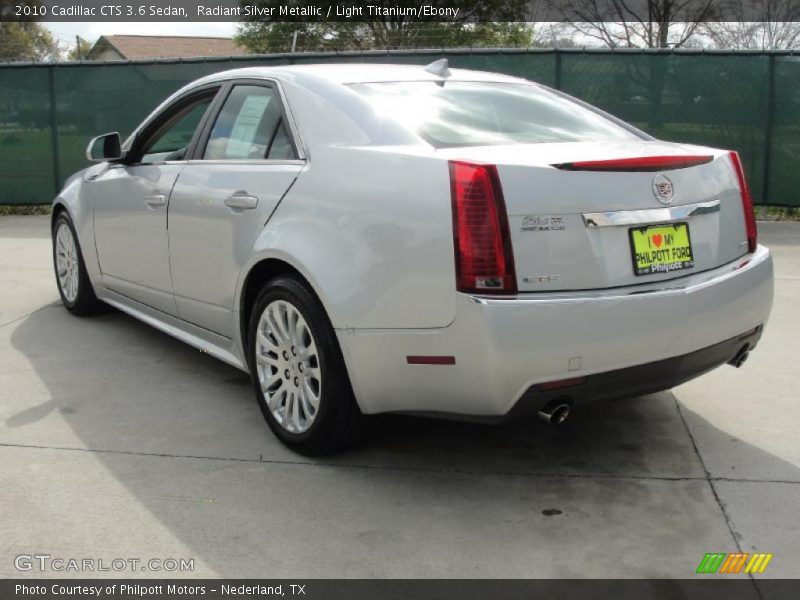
pixel 156 200
pixel 242 201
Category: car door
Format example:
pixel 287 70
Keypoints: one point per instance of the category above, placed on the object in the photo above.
pixel 131 201
pixel 245 162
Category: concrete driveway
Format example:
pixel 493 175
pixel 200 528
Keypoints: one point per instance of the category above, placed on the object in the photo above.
pixel 118 441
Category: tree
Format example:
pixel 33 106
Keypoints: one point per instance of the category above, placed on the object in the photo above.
pixel 265 38
pixel 23 40
pixel 638 23
pixel 472 27
pixel 777 26
pixel 80 50
pixel 553 35
pixel 396 35
pixel 26 41
pixel 641 24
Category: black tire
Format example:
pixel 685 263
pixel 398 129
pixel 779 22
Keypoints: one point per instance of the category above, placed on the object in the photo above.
pixel 338 423
pixel 85 302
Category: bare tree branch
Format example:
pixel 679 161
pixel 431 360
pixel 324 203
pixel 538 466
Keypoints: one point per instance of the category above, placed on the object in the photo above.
pixel 777 26
pixel 639 23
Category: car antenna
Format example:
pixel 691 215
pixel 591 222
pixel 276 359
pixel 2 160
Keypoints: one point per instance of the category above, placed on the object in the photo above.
pixel 439 67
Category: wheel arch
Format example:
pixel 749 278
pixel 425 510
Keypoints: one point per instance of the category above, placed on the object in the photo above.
pixel 258 274
pixel 70 204
pixel 59 206
pixel 268 267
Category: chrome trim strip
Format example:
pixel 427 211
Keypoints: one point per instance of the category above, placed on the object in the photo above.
pixel 240 161
pixel 650 215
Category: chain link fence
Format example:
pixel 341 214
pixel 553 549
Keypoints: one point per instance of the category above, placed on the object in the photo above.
pixel 747 101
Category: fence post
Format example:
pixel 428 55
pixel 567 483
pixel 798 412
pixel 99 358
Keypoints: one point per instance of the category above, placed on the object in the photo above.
pixel 557 82
pixel 768 116
pixel 53 128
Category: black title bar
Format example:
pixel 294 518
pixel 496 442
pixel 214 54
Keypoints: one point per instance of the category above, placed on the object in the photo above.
pixel 708 588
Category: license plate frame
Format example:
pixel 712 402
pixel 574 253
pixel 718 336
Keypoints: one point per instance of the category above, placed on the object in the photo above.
pixel 676 250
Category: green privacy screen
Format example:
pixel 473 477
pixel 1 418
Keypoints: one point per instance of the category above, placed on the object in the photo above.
pixel 745 101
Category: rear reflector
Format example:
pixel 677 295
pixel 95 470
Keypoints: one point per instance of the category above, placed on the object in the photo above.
pixel 560 384
pixel 644 163
pixel 484 259
pixel 431 360
pixel 747 203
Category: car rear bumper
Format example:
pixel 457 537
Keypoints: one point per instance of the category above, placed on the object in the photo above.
pixel 640 379
pixel 504 347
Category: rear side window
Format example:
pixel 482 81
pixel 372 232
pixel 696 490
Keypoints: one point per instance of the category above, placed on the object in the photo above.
pixel 250 126
pixel 455 113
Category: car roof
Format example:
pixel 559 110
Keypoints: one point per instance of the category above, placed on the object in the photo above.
pixel 327 77
pixel 344 73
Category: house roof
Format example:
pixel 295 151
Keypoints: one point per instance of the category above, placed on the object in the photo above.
pixel 133 47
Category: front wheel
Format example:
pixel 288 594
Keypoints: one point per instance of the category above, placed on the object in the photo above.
pixel 299 375
pixel 74 285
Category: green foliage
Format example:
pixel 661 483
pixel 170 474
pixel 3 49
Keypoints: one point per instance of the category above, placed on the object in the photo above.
pixel 264 38
pixel 369 33
pixel 777 213
pixel 30 209
pixel 80 50
pixel 23 40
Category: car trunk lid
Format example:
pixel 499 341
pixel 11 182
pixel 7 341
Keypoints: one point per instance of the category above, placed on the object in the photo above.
pixel 571 212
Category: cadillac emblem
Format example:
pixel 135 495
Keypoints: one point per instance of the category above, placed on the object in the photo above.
pixel 663 189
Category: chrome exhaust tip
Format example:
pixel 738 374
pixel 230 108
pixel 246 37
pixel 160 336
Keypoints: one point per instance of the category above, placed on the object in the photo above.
pixel 741 356
pixel 556 411
pixel 741 359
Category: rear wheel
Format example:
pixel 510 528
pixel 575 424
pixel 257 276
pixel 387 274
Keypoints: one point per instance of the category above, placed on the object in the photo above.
pixel 72 279
pixel 299 375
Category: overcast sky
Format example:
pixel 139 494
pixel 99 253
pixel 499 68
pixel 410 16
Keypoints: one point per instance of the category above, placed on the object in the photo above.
pixel 66 32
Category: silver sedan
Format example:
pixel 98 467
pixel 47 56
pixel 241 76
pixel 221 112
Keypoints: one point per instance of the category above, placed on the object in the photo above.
pixel 367 239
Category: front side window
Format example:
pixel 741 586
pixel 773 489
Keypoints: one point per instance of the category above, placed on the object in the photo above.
pixel 171 141
pixel 457 113
pixel 250 126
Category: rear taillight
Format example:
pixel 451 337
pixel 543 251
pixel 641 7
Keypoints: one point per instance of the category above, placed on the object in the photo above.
pixel 484 260
pixel 639 163
pixel 747 203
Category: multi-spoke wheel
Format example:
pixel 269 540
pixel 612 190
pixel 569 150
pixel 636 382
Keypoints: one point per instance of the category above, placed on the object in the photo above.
pixel 66 261
pixel 288 366
pixel 299 375
pixel 73 282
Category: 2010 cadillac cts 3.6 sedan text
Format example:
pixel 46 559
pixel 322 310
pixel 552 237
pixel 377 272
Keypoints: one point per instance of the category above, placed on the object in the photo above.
pixel 367 239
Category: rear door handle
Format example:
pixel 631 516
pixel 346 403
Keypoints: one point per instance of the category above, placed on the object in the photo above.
pixel 241 201
pixel 156 200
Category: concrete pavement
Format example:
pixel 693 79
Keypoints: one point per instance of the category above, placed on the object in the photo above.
pixel 119 441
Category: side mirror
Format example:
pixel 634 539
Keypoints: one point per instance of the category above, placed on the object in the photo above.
pixel 104 147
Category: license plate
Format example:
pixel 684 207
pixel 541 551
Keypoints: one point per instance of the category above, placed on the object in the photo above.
pixel 661 248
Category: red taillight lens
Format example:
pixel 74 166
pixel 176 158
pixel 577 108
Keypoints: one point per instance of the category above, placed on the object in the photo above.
pixel 484 260
pixel 747 203
pixel 643 163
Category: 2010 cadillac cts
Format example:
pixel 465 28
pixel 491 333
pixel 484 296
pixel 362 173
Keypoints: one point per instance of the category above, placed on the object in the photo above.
pixel 376 238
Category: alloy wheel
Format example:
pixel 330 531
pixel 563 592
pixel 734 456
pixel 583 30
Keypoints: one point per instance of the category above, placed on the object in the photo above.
pixel 67 267
pixel 287 365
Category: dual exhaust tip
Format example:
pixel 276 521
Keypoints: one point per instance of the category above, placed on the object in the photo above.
pixel 556 411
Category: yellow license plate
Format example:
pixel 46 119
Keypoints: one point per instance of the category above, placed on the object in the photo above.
pixel 661 248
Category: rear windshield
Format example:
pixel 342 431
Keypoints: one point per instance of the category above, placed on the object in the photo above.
pixel 456 113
